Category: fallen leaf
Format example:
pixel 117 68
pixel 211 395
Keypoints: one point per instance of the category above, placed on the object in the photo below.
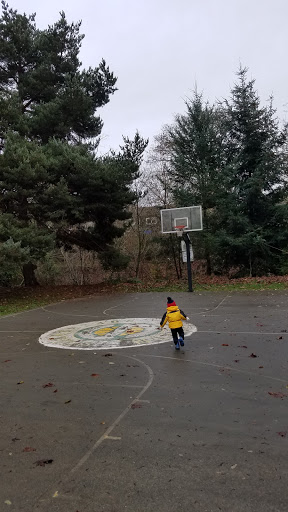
pixel 55 391
pixel 282 434
pixel 95 375
pixel 48 385
pixel 29 449
pixel 136 406
pixel 8 502
pixel 55 495
pixel 234 466
pixel 42 462
pixel 15 439
pixel 261 366
pixel 225 345
pixel 253 355
pixel 102 423
pixel 276 394
pixel 7 361
pixel 20 382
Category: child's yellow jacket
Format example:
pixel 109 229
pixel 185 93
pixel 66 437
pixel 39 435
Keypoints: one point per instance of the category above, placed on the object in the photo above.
pixel 174 316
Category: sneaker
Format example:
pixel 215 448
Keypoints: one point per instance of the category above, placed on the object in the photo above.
pixel 181 342
pixel 177 346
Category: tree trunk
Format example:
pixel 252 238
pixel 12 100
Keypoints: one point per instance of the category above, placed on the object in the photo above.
pixel 28 271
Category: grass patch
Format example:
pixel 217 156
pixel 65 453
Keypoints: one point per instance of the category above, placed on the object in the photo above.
pixel 198 287
pixel 15 306
pixel 15 300
pixel 242 286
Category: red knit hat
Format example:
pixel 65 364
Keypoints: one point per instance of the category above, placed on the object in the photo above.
pixel 170 302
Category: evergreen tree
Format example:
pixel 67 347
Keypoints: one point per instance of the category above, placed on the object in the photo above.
pixel 255 220
pixel 53 189
pixel 232 160
pixel 197 156
pixel 44 91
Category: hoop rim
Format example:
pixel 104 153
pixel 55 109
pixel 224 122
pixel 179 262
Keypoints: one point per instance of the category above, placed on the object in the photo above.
pixel 179 230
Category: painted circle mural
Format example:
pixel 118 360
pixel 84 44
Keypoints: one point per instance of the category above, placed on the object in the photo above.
pixel 111 334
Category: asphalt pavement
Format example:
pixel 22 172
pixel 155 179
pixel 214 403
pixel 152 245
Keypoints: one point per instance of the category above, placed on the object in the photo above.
pixel 204 429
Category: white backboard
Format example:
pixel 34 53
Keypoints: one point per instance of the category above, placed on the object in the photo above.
pixel 189 216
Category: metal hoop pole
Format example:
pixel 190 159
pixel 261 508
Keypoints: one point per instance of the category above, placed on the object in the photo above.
pixel 189 270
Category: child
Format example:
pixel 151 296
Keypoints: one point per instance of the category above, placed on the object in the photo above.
pixel 174 316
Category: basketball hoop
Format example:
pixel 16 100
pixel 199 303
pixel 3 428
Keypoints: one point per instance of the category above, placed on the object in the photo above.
pixel 179 230
pixel 182 221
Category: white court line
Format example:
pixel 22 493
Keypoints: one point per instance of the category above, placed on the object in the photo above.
pixel 41 307
pixel 212 309
pixel 37 332
pixel 65 314
pixel 104 436
pixel 2 317
pixel 119 419
pixel 65 301
pixel 242 332
pixel 118 305
pixel 216 366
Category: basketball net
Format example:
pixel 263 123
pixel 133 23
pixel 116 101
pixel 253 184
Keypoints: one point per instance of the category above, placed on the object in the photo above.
pixel 179 230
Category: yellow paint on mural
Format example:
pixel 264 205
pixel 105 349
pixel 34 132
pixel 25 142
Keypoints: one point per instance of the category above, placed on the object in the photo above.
pixel 132 330
pixel 105 330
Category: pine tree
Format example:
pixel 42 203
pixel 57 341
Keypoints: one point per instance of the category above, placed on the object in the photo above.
pixel 197 156
pixel 44 91
pixel 232 160
pixel 53 189
pixel 256 220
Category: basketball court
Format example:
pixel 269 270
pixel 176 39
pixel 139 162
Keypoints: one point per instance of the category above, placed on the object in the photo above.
pixel 116 420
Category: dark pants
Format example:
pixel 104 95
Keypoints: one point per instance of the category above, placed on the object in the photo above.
pixel 175 332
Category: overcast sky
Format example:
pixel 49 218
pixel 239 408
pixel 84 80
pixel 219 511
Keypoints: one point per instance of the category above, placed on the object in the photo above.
pixel 159 49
